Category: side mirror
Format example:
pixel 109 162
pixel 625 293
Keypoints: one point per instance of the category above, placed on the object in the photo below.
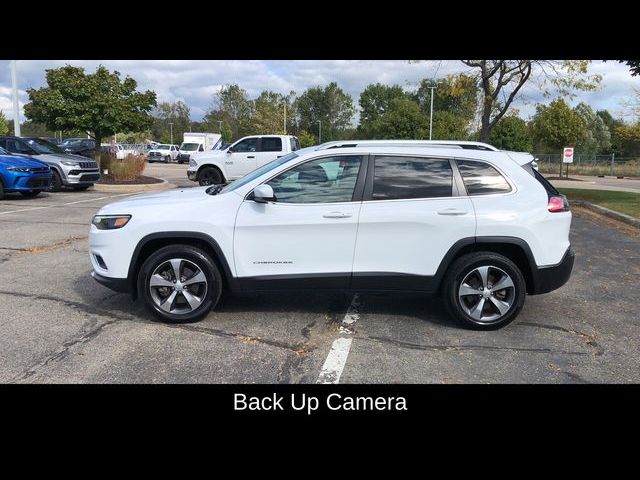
pixel 229 150
pixel 263 194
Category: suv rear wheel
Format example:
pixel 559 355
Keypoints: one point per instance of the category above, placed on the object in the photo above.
pixel 484 290
pixel 180 283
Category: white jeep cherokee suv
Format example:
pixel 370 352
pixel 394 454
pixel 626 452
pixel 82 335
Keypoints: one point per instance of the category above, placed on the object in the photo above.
pixel 477 225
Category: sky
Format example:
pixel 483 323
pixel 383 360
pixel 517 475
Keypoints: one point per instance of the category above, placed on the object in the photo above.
pixel 195 82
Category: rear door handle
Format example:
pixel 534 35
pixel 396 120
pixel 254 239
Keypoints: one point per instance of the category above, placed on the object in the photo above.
pixel 452 211
pixel 337 215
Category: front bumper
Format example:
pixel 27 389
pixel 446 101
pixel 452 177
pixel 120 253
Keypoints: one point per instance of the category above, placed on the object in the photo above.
pixel 120 285
pixel 78 176
pixel 547 279
pixel 26 182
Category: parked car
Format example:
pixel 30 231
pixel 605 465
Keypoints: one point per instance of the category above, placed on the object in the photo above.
pixel 54 140
pixel 68 170
pixel 163 153
pixel 240 158
pixel 479 226
pixel 23 175
pixel 79 146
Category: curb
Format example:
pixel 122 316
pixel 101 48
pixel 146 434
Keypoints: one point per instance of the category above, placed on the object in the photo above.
pixel 623 217
pixel 132 188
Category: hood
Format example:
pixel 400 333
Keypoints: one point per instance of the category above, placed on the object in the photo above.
pixel 20 161
pixel 164 198
pixel 57 157
pixel 155 150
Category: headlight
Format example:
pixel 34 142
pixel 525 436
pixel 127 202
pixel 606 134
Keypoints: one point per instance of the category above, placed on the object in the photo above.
pixel 69 163
pixel 193 163
pixel 110 222
pixel 19 169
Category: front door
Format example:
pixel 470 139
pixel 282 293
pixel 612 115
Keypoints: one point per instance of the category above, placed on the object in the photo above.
pixel 242 158
pixel 306 237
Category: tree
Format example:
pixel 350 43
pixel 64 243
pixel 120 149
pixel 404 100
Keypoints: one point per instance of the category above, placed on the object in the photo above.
pixel 268 113
pixel 178 115
pixel 502 80
pixel 511 133
pixel 457 94
pixel 634 66
pixel 306 139
pixel 612 124
pixel 4 124
pixel 99 103
pixel 629 139
pixel 556 126
pixel 232 106
pixel 375 101
pixel 329 105
pixel 403 120
pixel 447 126
pixel 597 138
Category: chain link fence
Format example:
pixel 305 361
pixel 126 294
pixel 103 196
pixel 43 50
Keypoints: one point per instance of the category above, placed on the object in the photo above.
pixel 549 163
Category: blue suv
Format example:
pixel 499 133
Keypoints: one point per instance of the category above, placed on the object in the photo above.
pixel 23 175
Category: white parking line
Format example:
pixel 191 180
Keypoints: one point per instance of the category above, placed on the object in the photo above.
pixel 68 203
pixel 337 358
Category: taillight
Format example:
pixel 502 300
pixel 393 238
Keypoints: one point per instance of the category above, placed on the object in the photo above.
pixel 558 203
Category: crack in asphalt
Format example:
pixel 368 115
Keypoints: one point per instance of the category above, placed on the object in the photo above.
pixel 45 248
pixel 589 340
pixel 455 348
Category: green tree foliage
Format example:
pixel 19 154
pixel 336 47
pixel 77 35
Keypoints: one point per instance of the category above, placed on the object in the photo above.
pixel 100 103
pixel 268 113
pixel 306 139
pixel 612 124
pixel 4 124
pixel 457 94
pixel 634 66
pixel 329 105
pixel 447 126
pixel 597 138
pixel 171 116
pixel 555 126
pixel 511 133
pixel 628 137
pixel 233 107
pixel 403 120
pixel 375 101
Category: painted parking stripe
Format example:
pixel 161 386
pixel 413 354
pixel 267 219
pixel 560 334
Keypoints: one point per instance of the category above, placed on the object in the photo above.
pixel 68 203
pixel 337 358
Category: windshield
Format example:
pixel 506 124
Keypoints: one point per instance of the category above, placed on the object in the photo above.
pixel 42 146
pixel 3 151
pixel 256 173
pixel 189 147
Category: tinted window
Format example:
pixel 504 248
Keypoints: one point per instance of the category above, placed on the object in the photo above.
pixel 410 177
pixel 16 146
pixel 248 145
pixel 481 178
pixel 271 144
pixel 325 180
pixel 295 144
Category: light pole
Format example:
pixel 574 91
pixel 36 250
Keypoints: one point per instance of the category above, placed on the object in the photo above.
pixel 284 123
pixel 320 131
pixel 431 114
pixel 16 109
pixel 219 126
pixel 171 130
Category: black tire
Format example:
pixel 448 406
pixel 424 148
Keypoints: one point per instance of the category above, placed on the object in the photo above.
pixel 81 187
pixel 56 182
pixel 193 255
pixel 466 264
pixel 1 190
pixel 30 193
pixel 168 158
pixel 210 176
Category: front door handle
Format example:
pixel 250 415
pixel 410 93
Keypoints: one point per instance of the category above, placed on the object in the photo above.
pixel 452 211
pixel 251 156
pixel 337 215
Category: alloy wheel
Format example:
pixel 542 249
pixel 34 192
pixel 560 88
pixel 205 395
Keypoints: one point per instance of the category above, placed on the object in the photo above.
pixel 486 294
pixel 178 286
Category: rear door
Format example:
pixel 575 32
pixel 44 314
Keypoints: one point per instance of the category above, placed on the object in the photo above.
pixel 412 214
pixel 270 149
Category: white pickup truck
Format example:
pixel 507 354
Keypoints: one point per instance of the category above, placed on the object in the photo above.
pixel 240 158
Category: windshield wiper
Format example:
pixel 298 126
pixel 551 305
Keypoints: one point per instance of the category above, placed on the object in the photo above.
pixel 215 189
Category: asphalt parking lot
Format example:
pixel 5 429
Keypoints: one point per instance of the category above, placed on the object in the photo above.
pixel 58 325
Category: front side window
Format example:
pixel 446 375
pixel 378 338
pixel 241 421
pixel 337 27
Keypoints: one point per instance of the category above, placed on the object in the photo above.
pixel 325 180
pixel 480 178
pixel 248 145
pixel 271 144
pixel 411 177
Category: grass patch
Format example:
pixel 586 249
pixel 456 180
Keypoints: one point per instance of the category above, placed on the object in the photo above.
pixel 625 202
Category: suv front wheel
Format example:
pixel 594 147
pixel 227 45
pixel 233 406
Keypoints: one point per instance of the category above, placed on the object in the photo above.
pixel 484 290
pixel 180 283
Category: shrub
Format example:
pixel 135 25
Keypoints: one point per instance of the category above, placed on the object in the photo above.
pixel 130 168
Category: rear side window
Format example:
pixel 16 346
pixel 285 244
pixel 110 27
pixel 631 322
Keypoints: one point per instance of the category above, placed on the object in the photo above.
pixel 411 177
pixel 481 178
pixel 295 144
pixel 270 144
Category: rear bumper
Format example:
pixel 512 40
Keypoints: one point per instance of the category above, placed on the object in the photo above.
pixel 121 285
pixel 547 279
